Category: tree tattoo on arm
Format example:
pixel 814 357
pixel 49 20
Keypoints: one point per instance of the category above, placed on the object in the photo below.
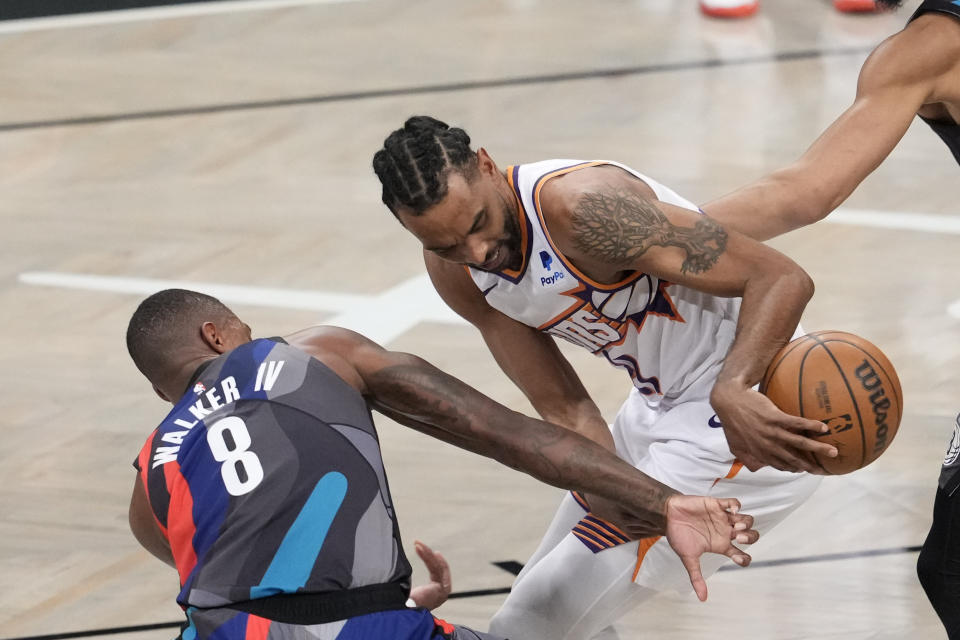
pixel 619 226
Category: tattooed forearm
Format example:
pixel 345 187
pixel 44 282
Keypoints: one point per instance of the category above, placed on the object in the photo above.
pixel 619 227
pixel 422 397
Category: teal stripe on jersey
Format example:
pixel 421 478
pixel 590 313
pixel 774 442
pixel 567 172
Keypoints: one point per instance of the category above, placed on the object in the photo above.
pixel 190 633
pixel 294 560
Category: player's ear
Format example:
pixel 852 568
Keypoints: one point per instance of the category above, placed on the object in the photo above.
pixel 213 337
pixel 485 163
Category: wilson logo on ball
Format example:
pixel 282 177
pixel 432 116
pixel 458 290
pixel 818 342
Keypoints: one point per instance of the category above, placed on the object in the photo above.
pixel 878 400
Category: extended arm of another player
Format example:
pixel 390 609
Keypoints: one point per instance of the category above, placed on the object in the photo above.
pixel 894 83
pixel 529 357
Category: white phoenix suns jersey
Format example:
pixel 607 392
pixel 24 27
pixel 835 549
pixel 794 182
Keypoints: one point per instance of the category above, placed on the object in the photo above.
pixel 666 336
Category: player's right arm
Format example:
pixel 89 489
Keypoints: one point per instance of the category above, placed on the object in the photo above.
pixel 530 358
pixel 905 72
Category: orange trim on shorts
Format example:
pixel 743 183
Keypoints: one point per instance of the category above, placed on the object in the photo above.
pixel 645 545
pixel 601 532
pixel 611 529
pixel 580 500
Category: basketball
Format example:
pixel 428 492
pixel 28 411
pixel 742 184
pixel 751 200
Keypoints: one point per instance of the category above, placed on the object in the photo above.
pixel 845 382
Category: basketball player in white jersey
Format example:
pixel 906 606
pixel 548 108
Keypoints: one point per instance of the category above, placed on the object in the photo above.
pixel 608 259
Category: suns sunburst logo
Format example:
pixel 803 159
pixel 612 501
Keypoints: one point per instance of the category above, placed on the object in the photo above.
pixel 599 318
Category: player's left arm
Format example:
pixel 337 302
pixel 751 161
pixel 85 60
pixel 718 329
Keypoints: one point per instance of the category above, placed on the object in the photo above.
pixel 144 526
pixel 606 220
pixel 920 64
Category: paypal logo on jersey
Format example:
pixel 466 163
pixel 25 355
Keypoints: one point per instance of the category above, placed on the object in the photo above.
pixel 546 260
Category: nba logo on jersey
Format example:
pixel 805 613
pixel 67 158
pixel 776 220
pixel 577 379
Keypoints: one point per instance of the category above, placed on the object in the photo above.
pixel 199 388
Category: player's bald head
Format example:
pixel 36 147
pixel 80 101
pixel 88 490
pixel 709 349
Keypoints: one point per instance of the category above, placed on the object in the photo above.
pixel 167 327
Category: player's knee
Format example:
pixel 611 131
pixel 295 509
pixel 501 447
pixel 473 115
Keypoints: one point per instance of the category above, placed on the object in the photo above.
pixel 505 621
pixel 516 622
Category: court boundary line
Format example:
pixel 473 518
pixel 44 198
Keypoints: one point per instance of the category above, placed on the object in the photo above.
pixel 411 301
pixel 827 557
pixel 446 87
pixel 198 8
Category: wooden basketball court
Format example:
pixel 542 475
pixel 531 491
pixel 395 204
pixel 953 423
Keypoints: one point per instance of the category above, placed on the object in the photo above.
pixel 230 152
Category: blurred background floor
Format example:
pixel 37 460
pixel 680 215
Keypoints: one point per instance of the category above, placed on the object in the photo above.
pixel 234 148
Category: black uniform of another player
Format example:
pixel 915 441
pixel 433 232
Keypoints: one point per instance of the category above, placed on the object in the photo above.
pixel 939 563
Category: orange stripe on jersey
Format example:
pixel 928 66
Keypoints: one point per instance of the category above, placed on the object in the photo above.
pixel 144 461
pixel 180 525
pixel 444 625
pixel 734 470
pixel 522 222
pixel 645 545
pixel 566 312
pixel 257 628
pixel 541 181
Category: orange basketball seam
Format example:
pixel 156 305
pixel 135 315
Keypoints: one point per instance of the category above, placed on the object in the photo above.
pixel 768 375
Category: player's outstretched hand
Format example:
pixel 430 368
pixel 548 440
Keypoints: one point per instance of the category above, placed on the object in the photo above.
pixel 697 525
pixel 434 593
pixel 759 434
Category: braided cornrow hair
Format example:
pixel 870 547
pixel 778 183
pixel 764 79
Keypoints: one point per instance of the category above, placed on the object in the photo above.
pixel 415 162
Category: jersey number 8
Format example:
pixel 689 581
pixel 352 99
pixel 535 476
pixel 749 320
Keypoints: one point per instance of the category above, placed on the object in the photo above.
pixel 237 461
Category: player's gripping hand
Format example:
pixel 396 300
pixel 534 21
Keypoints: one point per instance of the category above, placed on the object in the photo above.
pixel 434 593
pixel 759 434
pixel 697 525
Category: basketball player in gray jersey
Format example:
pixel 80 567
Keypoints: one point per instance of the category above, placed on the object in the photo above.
pixel 264 486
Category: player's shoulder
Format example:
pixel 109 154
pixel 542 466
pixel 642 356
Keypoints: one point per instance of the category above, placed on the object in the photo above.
pixel 933 35
pixel 928 47
pixel 561 196
pixel 335 347
pixel 320 338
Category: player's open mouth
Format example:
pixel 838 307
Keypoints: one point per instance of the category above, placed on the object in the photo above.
pixel 496 261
